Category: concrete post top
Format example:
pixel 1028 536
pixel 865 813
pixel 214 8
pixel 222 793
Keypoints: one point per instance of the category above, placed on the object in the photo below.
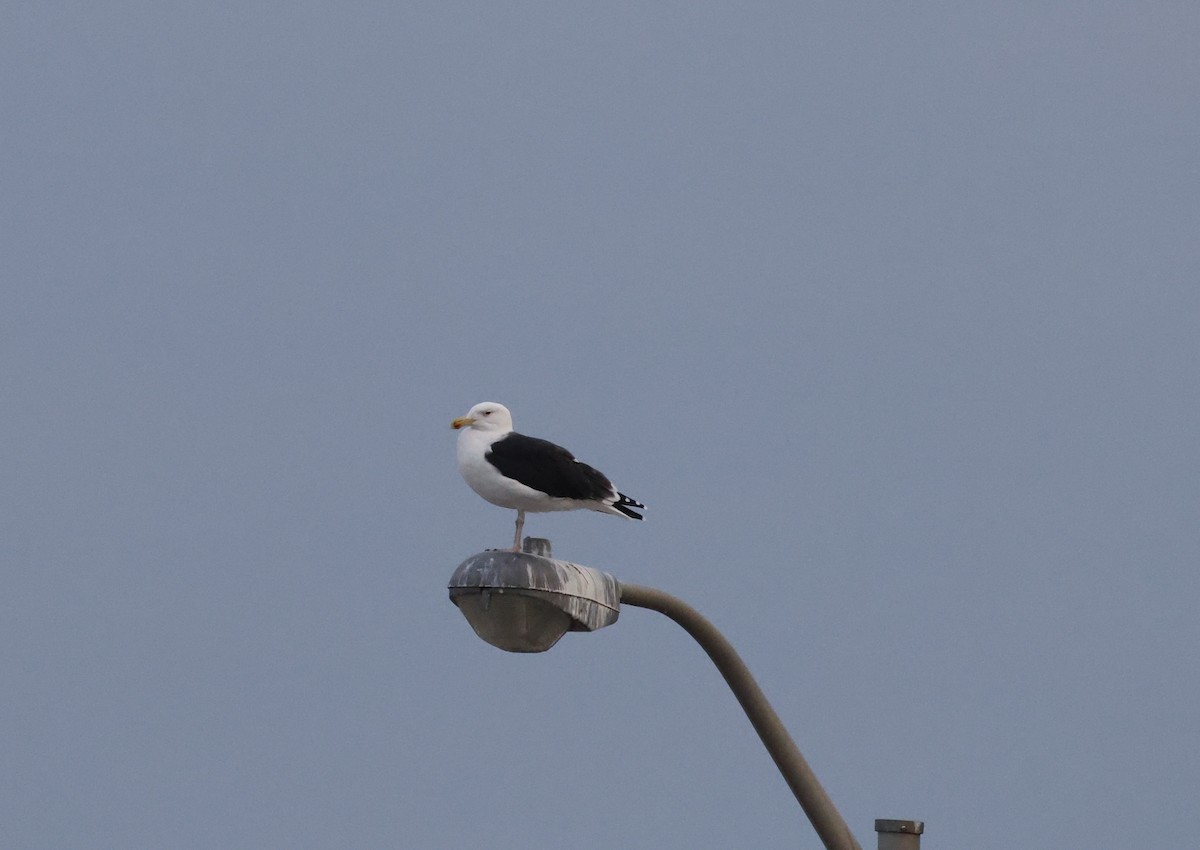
pixel 912 827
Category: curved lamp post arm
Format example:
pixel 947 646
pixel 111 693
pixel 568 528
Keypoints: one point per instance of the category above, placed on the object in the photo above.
pixel 826 820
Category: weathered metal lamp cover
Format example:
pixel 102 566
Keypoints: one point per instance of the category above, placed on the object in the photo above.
pixel 525 601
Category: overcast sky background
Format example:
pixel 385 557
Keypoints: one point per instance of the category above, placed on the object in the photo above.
pixel 889 312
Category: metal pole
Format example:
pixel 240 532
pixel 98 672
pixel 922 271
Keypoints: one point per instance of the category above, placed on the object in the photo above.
pixel 826 820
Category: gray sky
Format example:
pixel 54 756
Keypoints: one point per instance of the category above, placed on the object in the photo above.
pixel 889 313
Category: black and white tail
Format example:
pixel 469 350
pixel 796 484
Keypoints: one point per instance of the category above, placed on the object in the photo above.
pixel 624 506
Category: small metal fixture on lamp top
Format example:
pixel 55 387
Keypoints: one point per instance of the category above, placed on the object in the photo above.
pixel 525 601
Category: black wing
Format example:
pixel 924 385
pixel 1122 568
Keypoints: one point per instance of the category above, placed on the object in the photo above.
pixel 547 467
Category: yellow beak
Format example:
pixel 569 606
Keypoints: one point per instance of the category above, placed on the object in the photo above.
pixel 462 423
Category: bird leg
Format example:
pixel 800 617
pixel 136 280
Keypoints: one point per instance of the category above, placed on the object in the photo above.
pixel 520 528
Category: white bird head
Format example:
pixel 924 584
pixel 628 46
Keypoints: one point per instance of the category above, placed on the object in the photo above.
pixel 485 416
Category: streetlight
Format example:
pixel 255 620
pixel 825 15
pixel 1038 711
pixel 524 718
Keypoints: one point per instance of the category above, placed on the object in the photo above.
pixel 525 601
